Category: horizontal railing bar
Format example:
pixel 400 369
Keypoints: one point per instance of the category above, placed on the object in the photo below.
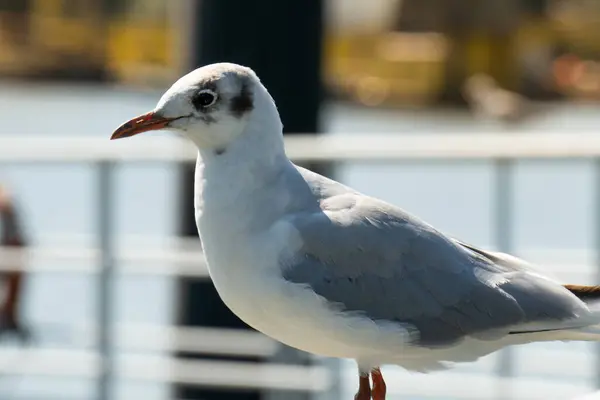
pixel 231 374
pixel 125 240
pixel 85 364
pixel 84 260
pixel 332 147
pixel 156 338
pixel 146 261
pixel 225 374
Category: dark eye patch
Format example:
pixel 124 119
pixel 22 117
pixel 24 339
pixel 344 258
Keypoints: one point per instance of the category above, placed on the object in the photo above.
pixel 243 102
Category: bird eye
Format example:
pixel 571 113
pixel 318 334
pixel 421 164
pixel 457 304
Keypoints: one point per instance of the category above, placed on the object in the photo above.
pixel 204 98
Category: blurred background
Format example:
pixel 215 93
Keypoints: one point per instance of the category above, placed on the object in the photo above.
pixel 484 115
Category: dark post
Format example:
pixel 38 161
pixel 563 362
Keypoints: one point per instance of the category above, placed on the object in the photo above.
pixel 281 41
pixel 11 235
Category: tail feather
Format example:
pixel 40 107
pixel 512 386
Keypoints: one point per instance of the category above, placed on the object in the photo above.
pixel 582 328
pixel 585 293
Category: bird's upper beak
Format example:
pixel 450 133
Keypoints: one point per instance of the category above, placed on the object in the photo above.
pixel 143 123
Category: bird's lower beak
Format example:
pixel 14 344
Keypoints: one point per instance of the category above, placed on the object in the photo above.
pixel 147 122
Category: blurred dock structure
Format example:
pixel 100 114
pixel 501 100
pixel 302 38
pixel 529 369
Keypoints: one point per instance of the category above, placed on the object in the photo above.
pixel 387 52
pixel 143 350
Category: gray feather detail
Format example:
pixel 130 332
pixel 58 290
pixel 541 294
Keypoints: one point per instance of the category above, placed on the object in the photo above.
pixel 374 258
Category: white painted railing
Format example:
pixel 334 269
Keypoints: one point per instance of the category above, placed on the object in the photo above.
pixel 499 148
pixel 170 261
pixel 354 147
pixel 160 368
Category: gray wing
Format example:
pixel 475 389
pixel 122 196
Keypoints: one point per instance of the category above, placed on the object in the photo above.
pixel 374 258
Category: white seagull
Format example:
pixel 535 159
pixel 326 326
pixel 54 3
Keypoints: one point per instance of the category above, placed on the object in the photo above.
pixel 323 268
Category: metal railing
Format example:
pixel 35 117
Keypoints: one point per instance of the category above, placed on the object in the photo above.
pixel 500 148
pixel 308 148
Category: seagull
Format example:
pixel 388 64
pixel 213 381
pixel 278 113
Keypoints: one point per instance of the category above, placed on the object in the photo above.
pixel 325 269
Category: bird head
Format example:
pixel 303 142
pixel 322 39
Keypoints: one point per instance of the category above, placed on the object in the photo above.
pixel 212 106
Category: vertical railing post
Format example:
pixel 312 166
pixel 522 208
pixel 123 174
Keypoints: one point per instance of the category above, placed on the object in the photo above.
pixel 596 233
pixel 335 368
pixel 105 277
pixel 503 213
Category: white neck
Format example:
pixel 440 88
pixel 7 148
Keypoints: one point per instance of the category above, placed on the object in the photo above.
pixel 239 176
pixel 254 155
pixel 244 188
pixel 251 157
pixel 243 197
pixel 241 194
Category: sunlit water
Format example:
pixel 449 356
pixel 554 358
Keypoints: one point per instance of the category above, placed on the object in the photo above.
pixel 554 210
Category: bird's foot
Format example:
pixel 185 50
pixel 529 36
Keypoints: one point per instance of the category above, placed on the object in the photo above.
pixel 364 388
pixel 379 387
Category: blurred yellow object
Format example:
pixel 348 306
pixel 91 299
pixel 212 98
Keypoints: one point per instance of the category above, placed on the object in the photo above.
pixel 389 67
pixel 67 35
pixel 70 36
pixel 405 68
pixel 141 52
pixel 577 24
pixel 59 31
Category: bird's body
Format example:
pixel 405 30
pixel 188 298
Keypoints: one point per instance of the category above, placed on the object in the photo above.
pixel 325 269
pixel 251 252
pixel 248 274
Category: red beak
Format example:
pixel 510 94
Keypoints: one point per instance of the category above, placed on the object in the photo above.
pixel 147 122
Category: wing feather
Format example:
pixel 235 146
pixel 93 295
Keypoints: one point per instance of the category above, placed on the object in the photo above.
pixel 376 259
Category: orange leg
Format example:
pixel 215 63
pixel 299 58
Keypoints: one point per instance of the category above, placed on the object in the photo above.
pixel 364 388
pixel 379 388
